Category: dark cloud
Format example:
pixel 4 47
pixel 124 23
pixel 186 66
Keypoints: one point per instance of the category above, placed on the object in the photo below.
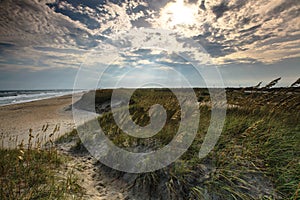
pixel 245 20
pixel 191 1
pixel 81 11
pixel 76 16
pixel 118 2
pixel 84 41
pixel 220 9
pixel 202 5
pixel 215 48
pixel 4 46
pixel 90 3
pixel 239 4
pixel 141 22
pixel 285 5
pixel 57 50
pixel 251 29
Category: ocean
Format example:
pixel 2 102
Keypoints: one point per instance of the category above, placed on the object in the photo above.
pixel 20 96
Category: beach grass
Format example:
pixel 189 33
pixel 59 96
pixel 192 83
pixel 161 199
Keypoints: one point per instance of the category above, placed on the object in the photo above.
pixel 256 157
pixel 32 172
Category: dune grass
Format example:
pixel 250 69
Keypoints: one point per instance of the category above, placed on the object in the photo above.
pixel 256 157
pixel 32 172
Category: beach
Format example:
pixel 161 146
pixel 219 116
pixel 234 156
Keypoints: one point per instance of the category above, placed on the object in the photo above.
pixel 42 117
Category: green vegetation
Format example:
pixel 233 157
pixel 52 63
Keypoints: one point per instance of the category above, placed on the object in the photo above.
pixel 256 157
pixel 32 172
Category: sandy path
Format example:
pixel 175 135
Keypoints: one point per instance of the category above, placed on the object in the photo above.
pixel 17 119
pixel 96 182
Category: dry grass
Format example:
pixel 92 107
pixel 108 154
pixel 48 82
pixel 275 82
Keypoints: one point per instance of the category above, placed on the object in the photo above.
pixel 34 172
pixel 257 155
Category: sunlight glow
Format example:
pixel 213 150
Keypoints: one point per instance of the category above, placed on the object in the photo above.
pixel 178 13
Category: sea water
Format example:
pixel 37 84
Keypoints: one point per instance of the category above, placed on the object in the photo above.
pixel 8 97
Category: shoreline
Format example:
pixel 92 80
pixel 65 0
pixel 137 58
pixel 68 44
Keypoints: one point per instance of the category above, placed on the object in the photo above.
pixel 39 98
pixel 17 119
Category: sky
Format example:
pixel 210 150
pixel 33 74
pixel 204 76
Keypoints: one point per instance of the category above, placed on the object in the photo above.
pixel 48 44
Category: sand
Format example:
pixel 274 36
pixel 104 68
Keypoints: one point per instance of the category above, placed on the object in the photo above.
pixel 17 119
pixel 97 183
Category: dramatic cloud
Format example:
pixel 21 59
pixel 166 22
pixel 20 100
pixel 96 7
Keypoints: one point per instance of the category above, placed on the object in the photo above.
pixel 239 30
pixel 39 35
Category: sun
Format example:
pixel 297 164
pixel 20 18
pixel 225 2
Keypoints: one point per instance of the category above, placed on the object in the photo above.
pixel 176 13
